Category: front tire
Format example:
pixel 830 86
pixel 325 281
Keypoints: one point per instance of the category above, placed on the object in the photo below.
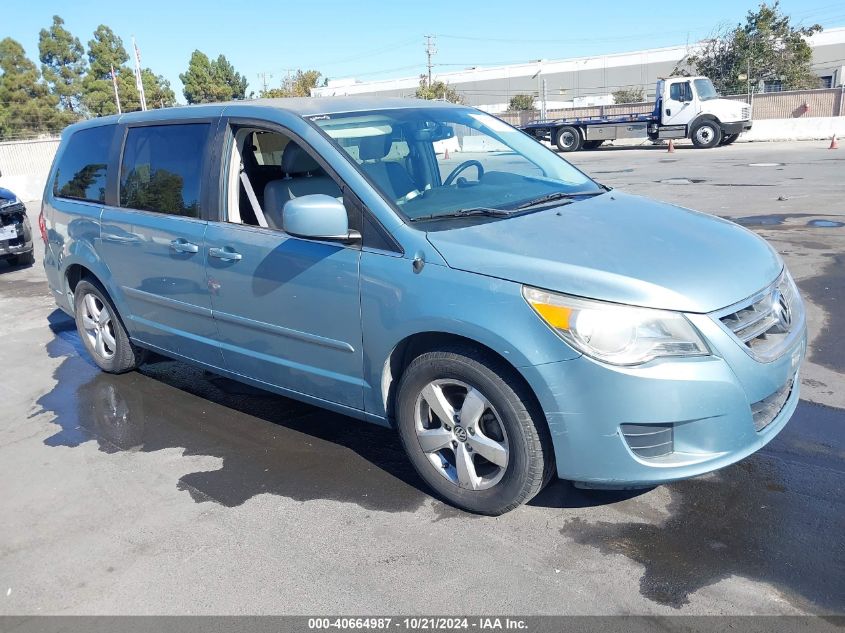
pixel 568 139
pixel 102 331
pixel 706 134
pixel 727 139
pixel 472 430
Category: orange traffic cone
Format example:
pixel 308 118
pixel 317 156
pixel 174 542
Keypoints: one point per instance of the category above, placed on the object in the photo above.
pixel 671 146
pixel 833 143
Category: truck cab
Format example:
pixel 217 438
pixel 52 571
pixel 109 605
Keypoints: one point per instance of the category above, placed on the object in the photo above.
pixel 690 107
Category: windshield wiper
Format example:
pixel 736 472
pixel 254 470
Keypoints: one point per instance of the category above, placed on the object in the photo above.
pixel 558 195
pixel 465 213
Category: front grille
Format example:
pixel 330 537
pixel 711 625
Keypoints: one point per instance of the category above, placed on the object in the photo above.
pixel 649 440
pixel 767 409
pixel 764 324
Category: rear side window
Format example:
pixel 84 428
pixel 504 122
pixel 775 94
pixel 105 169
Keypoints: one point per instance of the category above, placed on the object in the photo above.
pixel 83 167
pixel 162 168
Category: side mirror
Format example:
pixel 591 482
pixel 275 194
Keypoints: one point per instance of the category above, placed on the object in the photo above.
pixel 318 217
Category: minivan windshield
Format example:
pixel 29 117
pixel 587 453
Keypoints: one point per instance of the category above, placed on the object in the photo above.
pixel 434 163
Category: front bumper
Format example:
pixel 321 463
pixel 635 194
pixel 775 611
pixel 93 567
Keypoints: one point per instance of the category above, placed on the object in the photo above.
pixel 736 127
pixel 601 416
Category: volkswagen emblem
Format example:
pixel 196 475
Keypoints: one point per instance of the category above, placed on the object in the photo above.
pixel 460 433
pixel 781 311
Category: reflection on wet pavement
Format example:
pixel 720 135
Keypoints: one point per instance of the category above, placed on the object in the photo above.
pixel 776 517
pixel 268 444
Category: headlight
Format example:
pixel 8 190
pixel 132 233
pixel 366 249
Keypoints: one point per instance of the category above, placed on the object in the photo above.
pixel 7 202
pixel 614 333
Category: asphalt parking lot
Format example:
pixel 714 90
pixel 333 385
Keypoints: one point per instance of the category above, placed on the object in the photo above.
pixel 169 490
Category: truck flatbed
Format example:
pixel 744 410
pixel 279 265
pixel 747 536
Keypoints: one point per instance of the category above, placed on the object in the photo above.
pixel 637 117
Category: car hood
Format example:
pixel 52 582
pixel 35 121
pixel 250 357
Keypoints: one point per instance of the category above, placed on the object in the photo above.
pixel 5 194
pixel 621 248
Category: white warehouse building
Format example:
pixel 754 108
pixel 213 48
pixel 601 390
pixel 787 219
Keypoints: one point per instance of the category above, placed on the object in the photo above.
pixel 580 81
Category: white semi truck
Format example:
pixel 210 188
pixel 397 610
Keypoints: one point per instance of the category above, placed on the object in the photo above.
pixel 685 107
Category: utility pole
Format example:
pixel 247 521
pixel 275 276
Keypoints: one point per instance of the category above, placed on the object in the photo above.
pixel 116 96
pixel 430 50
pixel 264 77
pixel 543 102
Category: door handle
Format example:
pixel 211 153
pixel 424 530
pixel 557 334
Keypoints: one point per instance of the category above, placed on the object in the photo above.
pixel 184 246
pixel 226 254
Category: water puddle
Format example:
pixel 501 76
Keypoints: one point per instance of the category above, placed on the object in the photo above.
pixel 680 181
pixel 775 517
pixel 828 290
pixel 778 219
pixel 267 443
pixel 825 224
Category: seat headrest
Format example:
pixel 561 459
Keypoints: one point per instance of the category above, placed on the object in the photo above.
pixel 296 160
pixel 374 147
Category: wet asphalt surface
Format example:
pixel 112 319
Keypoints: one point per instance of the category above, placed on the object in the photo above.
pixel 171 490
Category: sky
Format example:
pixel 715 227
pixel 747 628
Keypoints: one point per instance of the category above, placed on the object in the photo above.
pixel 368 40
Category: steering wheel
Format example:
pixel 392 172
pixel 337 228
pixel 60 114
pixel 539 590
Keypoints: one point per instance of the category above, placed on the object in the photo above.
pixel 464 165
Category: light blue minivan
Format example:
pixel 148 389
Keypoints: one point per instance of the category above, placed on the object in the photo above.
pixel 426 266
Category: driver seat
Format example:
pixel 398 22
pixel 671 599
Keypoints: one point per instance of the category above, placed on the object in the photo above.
pixel 389 175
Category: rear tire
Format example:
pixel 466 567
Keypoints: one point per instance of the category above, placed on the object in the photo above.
pixel 489 413
pixel 727 139
pixel 102 331
pixel 706 134
pixel 27 259
pixel 568 139
pixel 592 144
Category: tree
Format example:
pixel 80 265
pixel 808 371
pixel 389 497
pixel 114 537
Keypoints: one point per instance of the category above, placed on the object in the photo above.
pixel 62 64
pixel 629 95
pixel 226 73
pixel 437 90
pixel 105 52
pixel 26 105
pixel 767 47
pixel 521 102
pixel 297 85
pixel 208 81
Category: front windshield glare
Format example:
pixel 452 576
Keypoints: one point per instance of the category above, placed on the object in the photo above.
pixel 705 89
pixel 434 162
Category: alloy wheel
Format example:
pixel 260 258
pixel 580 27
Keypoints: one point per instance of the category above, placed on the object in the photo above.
pixel 461 433
pixel 98 326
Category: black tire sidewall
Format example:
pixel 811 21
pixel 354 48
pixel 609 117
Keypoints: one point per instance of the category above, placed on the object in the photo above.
pixel 126 356
pixel 578 140
pixel 717 134
pixel 511 490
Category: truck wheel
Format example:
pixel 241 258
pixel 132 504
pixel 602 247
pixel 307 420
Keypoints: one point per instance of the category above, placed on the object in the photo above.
pixel 568 139
pixel 472 430
pixel 727 139
pixel 592 144
pixel 102 331
pixel 706 134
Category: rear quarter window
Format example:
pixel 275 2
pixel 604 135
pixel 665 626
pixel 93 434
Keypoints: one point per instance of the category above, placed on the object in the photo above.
pixel 83 166
pixel 162 168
